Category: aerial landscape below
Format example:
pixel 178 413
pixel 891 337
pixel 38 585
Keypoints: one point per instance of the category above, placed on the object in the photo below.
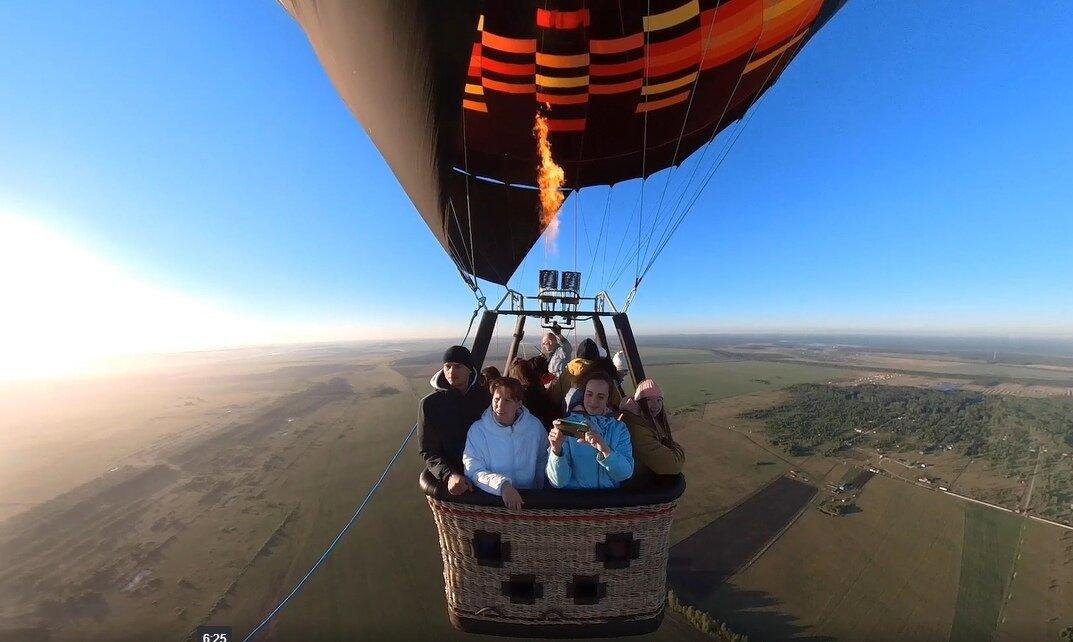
pixel 836 491
pixel 673 320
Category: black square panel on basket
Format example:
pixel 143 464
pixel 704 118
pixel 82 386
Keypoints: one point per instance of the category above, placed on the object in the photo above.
pixel 617 550
pixel 523 589
pixel 586 589
pixel 490 549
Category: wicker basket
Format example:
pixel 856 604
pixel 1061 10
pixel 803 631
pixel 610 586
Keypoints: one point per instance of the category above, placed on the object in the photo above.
pixel 568 565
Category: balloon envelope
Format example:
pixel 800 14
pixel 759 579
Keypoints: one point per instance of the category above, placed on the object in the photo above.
pixel 449 90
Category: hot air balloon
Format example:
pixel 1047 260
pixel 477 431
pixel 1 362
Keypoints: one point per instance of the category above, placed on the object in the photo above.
pixel 489 113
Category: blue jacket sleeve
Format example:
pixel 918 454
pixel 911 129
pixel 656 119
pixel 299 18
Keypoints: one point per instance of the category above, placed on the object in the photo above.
pixel 619 464
pixel 559 468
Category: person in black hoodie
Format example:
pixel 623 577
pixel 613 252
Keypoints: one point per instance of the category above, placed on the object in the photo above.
pixel 446 415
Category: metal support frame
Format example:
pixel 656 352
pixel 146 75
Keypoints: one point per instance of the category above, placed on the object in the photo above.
pixel 513 304
pixel 601 339
pixel 483 338
pixel 519 334
pixel 629 347
pixel 601 335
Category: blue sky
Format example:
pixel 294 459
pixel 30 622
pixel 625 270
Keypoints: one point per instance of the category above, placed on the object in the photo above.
pixel 910 171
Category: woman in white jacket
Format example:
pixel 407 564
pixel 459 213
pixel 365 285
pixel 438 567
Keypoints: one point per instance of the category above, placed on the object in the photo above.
pixel 505 448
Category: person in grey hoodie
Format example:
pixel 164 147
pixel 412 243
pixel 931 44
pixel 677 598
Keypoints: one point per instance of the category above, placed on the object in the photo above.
pixel 505 448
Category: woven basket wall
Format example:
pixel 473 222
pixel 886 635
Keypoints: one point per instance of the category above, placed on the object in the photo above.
pixel 554 566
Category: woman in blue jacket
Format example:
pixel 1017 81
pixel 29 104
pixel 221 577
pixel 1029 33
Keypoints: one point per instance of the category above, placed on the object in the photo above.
pixel 603 456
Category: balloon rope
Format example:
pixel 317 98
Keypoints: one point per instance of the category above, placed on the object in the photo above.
pixel 588 245
pixel 576 214
pixel 644 151
pixel 469 279
pixel 708 145
pixel 331 547
pixel 618 266
pixel 577 173
pixel 601 238
pixel 737 134
pixel 461 265
pixel 680 216
pixel 635 211
pixel 682 131
pixel 469 210
pixel 480 304
pixel 718 123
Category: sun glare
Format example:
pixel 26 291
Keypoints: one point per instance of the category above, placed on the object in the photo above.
pixel 69 312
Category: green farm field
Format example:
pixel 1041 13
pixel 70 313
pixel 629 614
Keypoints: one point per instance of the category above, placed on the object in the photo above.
pixel 911 565
pixel 670 356
pixel 694 384
pixel 989 550
pixel 1040 594
pixel 722 466
pixel 888 572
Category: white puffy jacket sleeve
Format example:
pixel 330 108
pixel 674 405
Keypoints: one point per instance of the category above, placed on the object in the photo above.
pixel 475 460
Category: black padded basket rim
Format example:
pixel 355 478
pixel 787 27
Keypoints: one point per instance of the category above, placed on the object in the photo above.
pixel 666 488
pixel 611 629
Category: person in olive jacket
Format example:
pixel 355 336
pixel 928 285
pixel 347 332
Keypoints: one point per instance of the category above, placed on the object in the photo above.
pixel 654 448
pixel 446 415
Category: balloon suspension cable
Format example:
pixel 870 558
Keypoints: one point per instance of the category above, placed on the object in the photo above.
pixel 478 295
pixel 633 293
pixel 480 306
pixel 465 272
pixel 331 547
pixel 677 213
pixel 682 130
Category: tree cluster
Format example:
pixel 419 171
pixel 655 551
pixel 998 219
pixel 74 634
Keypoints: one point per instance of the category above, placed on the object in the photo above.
pixel 703 622
pixel 825 416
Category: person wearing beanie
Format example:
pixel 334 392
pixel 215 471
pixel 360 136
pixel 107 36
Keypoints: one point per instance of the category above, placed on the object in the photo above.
pixel 460 355
pixel 588 349
pixel 588 360
pixel 445 416
pixel 654 449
